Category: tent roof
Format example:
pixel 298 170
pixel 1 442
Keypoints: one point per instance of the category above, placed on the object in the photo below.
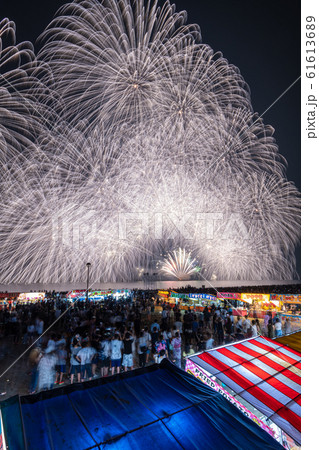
pixel 264 372
pixel 292 340
pixel 160 407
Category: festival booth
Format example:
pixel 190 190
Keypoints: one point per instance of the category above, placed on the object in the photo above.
pixel 193 300
pixel 261 377
pixel 234 299
pixel 30 297
pixel 97 296
pixel 260 304
pixel 158 407
pixel 7 299
pixel 291 309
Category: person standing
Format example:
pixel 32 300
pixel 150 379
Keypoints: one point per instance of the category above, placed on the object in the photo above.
pixel 254 328
pixel 220 331
pixel 246 327
pixel 287 326
pixel 148 344
pixel 34 358
pixel 265 326
pixel 46 369
pixel 116 353
pixel 142 348
pixel 128 351
pixel 209 342
pixel 270 328
pixel 278 328
pixel 39 324
pixel 228 325
pixel 85 357
pixel 62 355
pixel 105 355
pixel 75 365
pixel 177 350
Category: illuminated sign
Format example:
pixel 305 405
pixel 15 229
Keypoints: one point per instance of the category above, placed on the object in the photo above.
pixel 163 293
pixel 176 295
pixel 291 298
pixel 203 296
pixel 98 295
pixel 31 296
pixel 9 294
pixel 255 297
pixel 229 295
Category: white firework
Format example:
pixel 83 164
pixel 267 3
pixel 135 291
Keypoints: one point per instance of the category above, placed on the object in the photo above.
pixel 179 264
pixel 143 141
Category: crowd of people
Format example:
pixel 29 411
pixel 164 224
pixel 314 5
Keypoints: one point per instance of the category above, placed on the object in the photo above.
pixel 90 340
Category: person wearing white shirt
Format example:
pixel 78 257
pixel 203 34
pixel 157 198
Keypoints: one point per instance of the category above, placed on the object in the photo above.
pixel 85 357
pixel 239 324
pixel 254 328
pixel 142 348
pixel 105 355
pixel 288 326
pixel 116 353
pixel 246 325
pixel 209 343
pixel 278 328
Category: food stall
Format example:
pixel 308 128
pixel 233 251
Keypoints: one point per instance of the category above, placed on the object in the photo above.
pixel 260 304
pixel 8 299
pixel 195 301
pixel 30 297
pixel 291 308
pixel 96 296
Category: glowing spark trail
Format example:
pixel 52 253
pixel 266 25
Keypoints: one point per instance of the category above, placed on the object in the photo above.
pixel 126 138
pixel 179 264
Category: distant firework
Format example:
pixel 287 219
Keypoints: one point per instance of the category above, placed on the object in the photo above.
pixel 127 138
pixel 179 264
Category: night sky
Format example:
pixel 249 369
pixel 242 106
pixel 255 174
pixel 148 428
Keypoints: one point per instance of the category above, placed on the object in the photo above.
pixel 261 38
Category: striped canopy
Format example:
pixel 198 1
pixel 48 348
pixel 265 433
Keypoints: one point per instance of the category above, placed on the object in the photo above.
pixel 264 372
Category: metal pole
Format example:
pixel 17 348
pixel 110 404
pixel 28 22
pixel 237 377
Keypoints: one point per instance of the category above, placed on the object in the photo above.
pixel 88 265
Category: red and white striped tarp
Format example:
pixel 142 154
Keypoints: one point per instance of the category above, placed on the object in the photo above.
pixel 265 373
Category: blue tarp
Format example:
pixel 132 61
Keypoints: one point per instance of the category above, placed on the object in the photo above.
pixel 159 407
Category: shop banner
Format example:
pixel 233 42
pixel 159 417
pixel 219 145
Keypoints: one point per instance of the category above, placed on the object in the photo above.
pixel 79 293
pixel 254 297
pixel 9 295
pixel 164 294
pixel 229 295
pixel 31 296
pixel 291 298
pixel 199 373
pixel 203 296
pixel 177 295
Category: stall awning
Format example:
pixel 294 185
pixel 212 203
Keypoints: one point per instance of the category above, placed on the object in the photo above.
pixel 264 372
pixel 159 407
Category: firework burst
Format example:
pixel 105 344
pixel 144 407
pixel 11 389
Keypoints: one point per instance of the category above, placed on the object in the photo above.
pixel 127 138
pixel 179 264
